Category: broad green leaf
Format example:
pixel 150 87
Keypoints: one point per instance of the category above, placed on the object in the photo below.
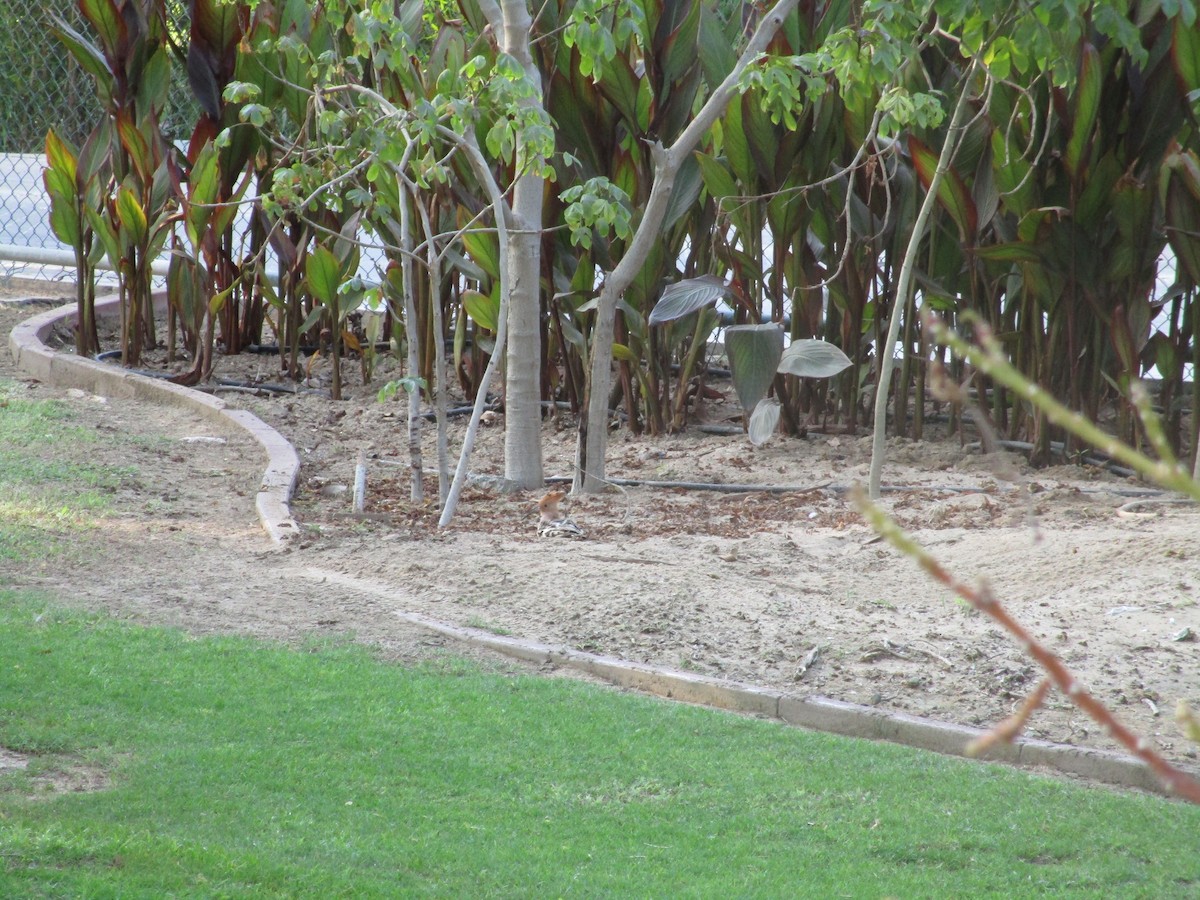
pixel 677 51
pixel 483 309
pixel 1017 252
pixel 1011 172
pixel 464 265
pixel 64 220
pixel 155 82
pixel 811 358
pixel 1098 184
pixel 754 352
pixel 737 148
pixel 685 193
pixel 185 289
pixel 135 145
pixel 315 316
pixel 323 274
pixel 716 52
pixel 59 185
pixel 225 214
pixel 717 180
pixel 687 296
pixel 202 193
pixel 622 353
pixel 1185 53
pixel 105 17
pixel 984 192
pixel 106 233
pixel 484 248
pixel 131 216
pixel 61 156
pixel 95 156
pixel 619 85
pixel 760 137
pixel 85 53
pixel 215 25
pixel 1086 107
pixel 763 421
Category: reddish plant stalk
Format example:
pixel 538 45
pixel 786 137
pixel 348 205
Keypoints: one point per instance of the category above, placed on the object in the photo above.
pixel 982 599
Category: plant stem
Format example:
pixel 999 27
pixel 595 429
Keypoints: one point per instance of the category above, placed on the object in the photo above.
pixel 904 285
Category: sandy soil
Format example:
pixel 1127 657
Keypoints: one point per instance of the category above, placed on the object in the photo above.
pixel 786 590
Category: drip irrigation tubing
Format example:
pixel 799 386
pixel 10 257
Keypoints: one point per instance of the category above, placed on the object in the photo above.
pixel 1059 448
pixel 728 488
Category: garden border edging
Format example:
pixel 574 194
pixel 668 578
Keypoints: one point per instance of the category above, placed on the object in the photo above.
pixel 813 712
pixel 65 370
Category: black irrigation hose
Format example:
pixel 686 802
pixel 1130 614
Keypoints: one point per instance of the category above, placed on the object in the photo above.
pixel 308 349
pixel 1059 448
pixel 723 488
pixel 266 387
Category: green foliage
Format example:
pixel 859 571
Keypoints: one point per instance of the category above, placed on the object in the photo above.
pixel 1074 174
pixel 407 384
pixel 597 206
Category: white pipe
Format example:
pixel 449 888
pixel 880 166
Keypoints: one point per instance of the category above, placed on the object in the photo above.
pixel 360 482
pixel 52 256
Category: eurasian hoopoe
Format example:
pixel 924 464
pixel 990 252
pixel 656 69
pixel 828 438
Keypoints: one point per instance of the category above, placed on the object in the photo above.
pixel 552 522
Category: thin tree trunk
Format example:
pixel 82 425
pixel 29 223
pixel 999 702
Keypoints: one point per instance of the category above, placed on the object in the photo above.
pixel 433 262
pixel 417 492
pixel 501 213
pixel 885 353
pixel 592 442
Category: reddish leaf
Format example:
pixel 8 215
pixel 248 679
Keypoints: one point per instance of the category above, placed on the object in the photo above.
pixel 952 193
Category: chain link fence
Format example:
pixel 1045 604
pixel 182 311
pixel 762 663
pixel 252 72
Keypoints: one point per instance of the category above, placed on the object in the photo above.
pixel 43 87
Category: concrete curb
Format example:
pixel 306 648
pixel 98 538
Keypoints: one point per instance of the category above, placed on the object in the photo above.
pixel 812 712
pixel 64 370
pixel 27 344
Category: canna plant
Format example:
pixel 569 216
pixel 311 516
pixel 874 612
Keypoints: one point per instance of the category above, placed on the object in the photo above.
pixel 131 65
pixel 75 182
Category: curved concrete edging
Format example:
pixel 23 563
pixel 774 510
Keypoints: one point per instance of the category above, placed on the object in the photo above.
pixel 65 370
pixel 27 343
pixel 813 712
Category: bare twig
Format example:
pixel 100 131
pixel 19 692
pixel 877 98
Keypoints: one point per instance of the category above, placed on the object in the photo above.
pixel 984 601
pixel 1008 730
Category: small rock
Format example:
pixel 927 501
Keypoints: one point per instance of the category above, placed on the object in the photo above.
pixel 202 439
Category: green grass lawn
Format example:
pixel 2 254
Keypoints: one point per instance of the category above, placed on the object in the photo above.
pixel 237 768
pixel 233 768
pixel 46 497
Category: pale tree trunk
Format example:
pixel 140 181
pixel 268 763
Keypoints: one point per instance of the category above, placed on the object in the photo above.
pixel 501 212
pixel 416 470
pixel 522 374
pixel 592 442
pixel 433 263
pixel 886 353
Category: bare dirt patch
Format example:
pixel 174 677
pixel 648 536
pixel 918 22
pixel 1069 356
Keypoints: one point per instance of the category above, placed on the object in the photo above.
pixel 785 590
